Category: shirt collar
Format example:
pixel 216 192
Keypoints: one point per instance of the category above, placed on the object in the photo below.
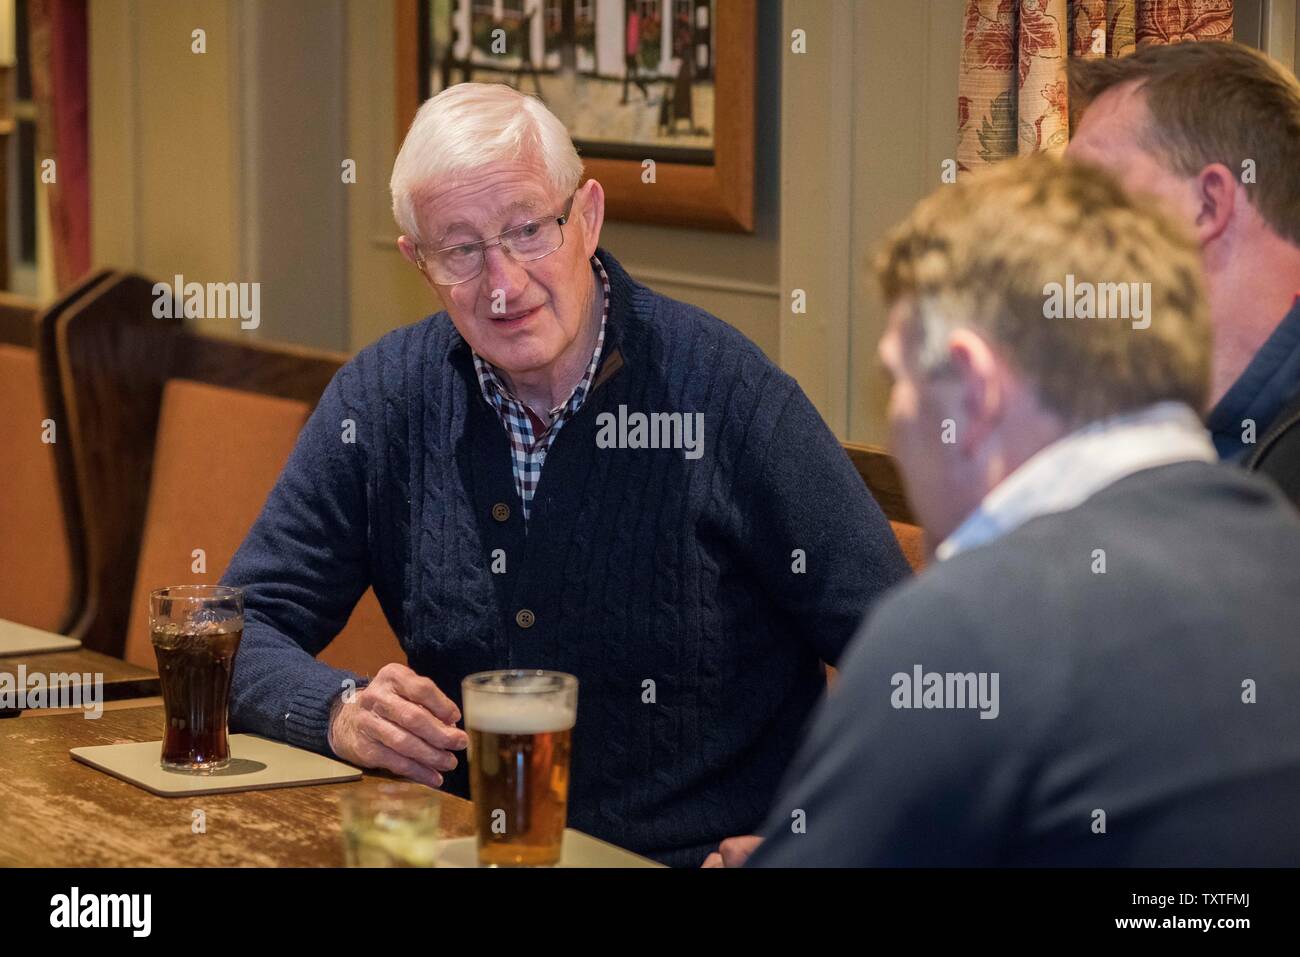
pixel 1071 469
pixel 491 383
pixel 1267 384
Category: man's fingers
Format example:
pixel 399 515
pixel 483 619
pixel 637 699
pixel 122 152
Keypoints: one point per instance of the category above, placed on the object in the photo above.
pixel 424 692
pixel 736 850
pixel 733 852
pixel 407 768
pixel 417 720
pixel 401 741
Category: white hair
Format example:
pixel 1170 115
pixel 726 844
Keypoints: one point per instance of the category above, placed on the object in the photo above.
pixel 470 125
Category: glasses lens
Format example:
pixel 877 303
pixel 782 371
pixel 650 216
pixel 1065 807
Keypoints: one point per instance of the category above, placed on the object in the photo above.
pixel 524 244
pixel 457 263
pixel 533 240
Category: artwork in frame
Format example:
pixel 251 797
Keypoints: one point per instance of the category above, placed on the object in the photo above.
pixel 657 94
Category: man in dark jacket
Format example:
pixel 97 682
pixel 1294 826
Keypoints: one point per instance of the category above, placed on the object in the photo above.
pixel 1213 130
pixel 1101 668
pixel 563 470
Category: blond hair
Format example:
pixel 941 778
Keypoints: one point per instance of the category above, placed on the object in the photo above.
pixel 982 253
pixel 1212 103
pixel 468 126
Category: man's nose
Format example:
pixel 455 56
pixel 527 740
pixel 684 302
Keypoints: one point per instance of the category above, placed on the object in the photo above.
pixel 500 272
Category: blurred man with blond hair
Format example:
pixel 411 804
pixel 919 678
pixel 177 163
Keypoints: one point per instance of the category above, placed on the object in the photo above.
pixel 1101 668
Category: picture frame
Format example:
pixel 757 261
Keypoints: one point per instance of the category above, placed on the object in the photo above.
pixel 705 189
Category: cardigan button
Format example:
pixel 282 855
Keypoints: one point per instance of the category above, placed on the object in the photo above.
pixel 501 511
pixel 525 618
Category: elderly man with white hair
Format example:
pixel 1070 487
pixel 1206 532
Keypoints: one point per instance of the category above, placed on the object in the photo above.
pixel 562 470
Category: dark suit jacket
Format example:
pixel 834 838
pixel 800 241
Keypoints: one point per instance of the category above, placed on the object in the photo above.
pixel 1147 714
pixel 1278 453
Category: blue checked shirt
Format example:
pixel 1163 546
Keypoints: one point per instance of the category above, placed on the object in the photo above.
pixel 528 448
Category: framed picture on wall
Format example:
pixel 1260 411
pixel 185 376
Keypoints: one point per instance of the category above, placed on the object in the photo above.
pixel 658 95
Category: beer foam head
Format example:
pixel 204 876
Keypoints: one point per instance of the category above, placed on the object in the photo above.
pixel 518 714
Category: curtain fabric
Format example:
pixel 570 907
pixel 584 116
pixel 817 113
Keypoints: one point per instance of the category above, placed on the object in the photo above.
pixel 1013 94
pixel 60 64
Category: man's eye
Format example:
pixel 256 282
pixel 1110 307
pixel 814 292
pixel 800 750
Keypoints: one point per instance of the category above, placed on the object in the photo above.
pixel 529 230
pixel 459 252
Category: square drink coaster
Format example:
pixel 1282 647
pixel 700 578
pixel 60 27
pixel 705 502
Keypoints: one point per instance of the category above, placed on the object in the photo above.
pixel 579 850
pixel 256 764
pixel 16 639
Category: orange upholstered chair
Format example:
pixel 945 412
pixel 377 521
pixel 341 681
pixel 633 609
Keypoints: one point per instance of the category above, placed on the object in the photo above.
pixel 42 583
pixel 36 570
pixel 178 440
pixel 217 455
pixel 911 539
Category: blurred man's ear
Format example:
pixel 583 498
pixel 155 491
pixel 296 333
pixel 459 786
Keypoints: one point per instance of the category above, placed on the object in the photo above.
pixel 980 397
pixel 1216 198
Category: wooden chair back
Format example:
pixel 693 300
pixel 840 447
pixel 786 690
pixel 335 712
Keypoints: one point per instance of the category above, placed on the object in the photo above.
pixel 880 473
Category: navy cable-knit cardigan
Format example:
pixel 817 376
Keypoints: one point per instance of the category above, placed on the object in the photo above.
pixel 695 599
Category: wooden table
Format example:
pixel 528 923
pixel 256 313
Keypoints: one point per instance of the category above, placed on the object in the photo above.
pixel 121 679
pixel 55 811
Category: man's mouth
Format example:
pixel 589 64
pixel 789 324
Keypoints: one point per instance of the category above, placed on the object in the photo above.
pixel 519 315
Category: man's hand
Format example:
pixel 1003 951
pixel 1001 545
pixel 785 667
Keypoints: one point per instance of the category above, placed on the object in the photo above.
pixel 733 852
pixel 401 721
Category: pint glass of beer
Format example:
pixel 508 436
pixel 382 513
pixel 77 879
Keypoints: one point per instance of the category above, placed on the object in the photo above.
pixel 520 724
pixel 196 631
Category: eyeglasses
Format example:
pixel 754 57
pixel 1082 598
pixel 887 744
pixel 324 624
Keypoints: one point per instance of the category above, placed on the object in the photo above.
pixel 527 242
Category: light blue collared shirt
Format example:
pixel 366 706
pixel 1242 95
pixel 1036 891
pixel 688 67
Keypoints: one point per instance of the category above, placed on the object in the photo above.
pixel 1062 475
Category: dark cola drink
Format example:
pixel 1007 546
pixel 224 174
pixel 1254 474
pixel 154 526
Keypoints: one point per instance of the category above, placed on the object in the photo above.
pixel 195 662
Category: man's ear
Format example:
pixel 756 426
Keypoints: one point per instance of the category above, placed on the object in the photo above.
pixel 592 214
pixel 412 255
pixel 1216 198
pixel 407 246
pixel 981 392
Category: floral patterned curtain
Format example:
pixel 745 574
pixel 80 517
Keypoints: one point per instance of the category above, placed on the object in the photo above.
pixel 1013 95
